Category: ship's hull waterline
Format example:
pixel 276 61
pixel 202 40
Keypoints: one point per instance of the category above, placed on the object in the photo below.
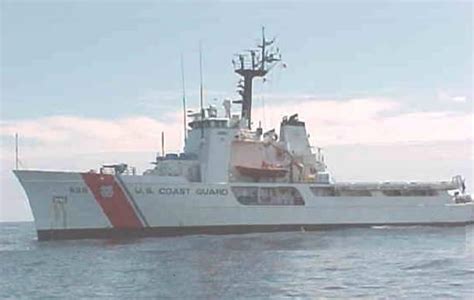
pixel 71 205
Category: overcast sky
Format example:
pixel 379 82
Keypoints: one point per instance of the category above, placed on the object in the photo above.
pixel 385 86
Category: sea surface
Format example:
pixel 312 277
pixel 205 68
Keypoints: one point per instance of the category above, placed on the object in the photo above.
pixel 378 262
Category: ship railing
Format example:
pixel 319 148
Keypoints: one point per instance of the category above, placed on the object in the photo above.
pixel 442 185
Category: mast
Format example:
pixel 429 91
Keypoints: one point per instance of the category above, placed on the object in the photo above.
pixel 163 144
pixel 184 99
pixel 251 64
pixel 16 151
pixel 201 104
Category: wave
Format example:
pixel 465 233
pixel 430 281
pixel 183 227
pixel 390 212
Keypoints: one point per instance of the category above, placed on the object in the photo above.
pixel 435 263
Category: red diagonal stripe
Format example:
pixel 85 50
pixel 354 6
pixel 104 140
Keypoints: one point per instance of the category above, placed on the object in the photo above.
pixel 112 200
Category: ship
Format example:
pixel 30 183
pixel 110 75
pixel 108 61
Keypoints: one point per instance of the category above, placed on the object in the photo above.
pixel 231 178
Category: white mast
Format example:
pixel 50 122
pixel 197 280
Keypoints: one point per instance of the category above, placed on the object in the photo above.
pixel 184 99
pixel 16 151
pixel 201 89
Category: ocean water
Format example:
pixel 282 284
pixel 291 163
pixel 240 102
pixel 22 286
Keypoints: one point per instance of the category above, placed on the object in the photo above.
pixel 378 262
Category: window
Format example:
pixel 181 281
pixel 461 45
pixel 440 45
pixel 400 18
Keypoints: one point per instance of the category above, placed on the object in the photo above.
pixel 324 191
pixel 246 195
pixel 392 193
pixel 331 191
pixel 354 193
pixel 410 193
pixel 268 195
pixel 340 192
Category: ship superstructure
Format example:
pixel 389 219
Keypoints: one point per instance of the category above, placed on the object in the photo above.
pixel 226 149
pixel 231 178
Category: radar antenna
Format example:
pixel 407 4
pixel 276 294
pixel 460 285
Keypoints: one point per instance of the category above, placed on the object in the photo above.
pixel 251 64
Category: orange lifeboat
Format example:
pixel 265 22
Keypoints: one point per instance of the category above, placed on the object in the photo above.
pixel 265 171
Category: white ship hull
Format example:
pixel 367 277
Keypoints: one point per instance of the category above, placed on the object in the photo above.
pixel 89 205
